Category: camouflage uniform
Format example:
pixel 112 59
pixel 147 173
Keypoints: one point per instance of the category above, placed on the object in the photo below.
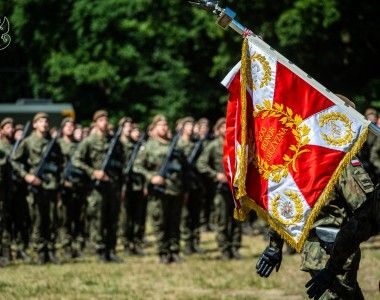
pixel 166 206
pixel 43 203
pixel 135 206
pixel 191 210
pixel 6 202
pixel 229 230
pixel 349 195
pixel 104 200
pixel 73 205
pixel 363 224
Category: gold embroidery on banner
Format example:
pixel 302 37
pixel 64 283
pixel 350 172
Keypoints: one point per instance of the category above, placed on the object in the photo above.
pixel 271 139
pixel 267 70
pixel 288 211
pixel 340 136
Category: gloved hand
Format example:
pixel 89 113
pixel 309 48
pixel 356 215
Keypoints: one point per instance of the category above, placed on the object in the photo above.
pixel 320 283
pixel 271 258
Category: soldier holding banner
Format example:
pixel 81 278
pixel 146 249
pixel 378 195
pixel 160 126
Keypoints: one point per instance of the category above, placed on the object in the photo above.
pixel 349 195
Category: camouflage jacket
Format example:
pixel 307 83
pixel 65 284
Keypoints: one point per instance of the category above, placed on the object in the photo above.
pixel 375 158
pixel 149 161
pixel 90 155
pixel 211 160
pixel 28 156
pixel 137 181
pixel 192 176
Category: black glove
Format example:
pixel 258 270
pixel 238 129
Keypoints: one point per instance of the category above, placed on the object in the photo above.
pixel 271 258
pixel 320 283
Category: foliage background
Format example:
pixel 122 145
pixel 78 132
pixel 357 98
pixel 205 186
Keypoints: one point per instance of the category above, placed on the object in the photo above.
pixel 141 57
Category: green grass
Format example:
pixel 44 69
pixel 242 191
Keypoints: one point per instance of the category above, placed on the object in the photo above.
pixel 198 277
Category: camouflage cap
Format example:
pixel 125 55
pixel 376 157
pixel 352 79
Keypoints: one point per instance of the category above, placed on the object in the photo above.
pixel 203 121
pixel 40 115
pixel 6 121
pixel 156 119
pixel 187 120
pixel 124 120
pixel 98 114
pixel 67 120
pixel 219 123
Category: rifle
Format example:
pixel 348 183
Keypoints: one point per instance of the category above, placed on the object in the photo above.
pixel 106 163
pixel 165 167
pixel 194 155
pixel 128 171
pixel 71 173
pixel 45 165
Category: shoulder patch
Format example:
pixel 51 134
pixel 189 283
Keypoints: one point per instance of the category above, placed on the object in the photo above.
pixel 355 162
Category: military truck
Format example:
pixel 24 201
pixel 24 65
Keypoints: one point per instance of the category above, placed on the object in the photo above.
pixel 23 110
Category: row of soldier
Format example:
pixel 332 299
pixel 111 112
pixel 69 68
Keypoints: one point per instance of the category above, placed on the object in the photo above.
pixel 70 185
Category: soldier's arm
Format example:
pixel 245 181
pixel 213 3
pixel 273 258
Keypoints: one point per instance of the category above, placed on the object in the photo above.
pixel 203 163
pixel 19 159
pixel 362 225
pixel 357 188
pixel 79 158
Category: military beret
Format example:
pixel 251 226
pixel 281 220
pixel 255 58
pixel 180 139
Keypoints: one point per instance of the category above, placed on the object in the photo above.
pixel 40 115
pixel 125 120
pixel 98 114
pixel 219 123
pixel 157 119
pixel 67 120
pixel 6 121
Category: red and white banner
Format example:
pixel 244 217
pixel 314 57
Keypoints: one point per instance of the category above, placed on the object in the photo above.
pixel 288 139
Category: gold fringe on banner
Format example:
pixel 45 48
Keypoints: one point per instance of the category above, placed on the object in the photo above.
pixel 247 203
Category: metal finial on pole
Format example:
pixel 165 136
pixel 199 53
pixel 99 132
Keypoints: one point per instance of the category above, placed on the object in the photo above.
pixel 226 16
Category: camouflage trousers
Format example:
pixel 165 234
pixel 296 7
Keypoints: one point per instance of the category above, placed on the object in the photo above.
pixel 166 218
pixel 190 227
pixel 5 229
pixel 135 209
pixel 20 215
pixel 228 229
pixel 43 208
pixel 346 286
pixel 73 218
pixel 103 205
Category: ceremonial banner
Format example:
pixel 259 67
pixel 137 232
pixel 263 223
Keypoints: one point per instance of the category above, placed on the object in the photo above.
pixel 287 141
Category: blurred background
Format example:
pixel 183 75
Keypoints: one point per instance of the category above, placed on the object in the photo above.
pixel 142 57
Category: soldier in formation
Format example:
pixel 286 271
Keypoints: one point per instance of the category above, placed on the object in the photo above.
pixel 210 163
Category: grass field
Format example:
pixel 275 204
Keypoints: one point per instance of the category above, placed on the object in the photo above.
pixel 198 277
